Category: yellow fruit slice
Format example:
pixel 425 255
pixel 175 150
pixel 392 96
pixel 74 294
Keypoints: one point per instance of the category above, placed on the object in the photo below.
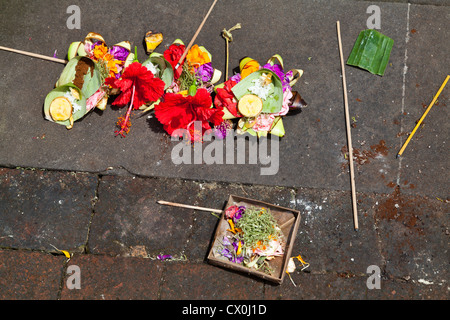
pixel 152 40
pixel 60 109
pixel 250 105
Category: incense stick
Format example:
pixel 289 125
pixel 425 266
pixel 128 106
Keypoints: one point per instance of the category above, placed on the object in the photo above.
pixel 423 116
pixel 34 55
pixel 195 35
pixel 349 136
pixel 180 205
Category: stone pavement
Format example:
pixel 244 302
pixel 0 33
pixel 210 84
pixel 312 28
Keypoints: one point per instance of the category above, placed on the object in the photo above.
pixel 94 195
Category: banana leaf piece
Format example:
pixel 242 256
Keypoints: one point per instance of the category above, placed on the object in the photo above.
pixel 278 127
pixel 165 68
pixel 61 91
pixel 371 51
pixel 227 114
pixel 73 49
pixel 83 73
pixel 274 102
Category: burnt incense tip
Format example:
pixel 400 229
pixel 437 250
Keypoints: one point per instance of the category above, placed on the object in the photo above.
pixel 397 156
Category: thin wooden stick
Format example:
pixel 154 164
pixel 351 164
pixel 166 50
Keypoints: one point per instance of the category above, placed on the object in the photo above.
pixel 180 205
pixel 34 55
pixel 349 136
pixel 423 116
pixel 228 55
pixel 195 35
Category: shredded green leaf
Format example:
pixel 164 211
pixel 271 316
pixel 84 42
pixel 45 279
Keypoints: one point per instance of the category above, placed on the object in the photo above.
pixel 257 225
pixel 187 78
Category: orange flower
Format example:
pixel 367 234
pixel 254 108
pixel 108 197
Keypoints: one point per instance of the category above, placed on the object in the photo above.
pixel 112 66
pixel 250 67
pixel 108 57
pixel 196 56
pixel 100 51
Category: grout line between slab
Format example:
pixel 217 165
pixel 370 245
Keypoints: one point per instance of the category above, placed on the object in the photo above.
pixel 405 70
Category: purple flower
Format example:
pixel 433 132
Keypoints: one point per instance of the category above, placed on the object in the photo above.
pixel 226 241
pixel 222 130
pixel 238 259
pixel 205 72
pixel 278 70
pixel 164 257
pixel 227 253
pixel 236 78
pixel 119 53
pixel 238 213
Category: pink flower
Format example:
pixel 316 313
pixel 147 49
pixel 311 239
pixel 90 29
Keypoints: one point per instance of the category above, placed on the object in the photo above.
pixel 263 122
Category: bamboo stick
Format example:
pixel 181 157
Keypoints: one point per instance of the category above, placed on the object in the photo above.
pixel 195 35
pixel 349 136
pixel 34 55
pixel 180 205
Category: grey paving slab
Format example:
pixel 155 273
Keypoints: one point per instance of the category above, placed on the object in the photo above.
pixel 424 2
pixel 425 161
pixel 201 281
pixel 326 237
pixel 303 32
pixel 404 235
pixel 129 222
pixel 107 278
pixel 26 275
pixel 413 237
pixel 42 209
pixel 344 286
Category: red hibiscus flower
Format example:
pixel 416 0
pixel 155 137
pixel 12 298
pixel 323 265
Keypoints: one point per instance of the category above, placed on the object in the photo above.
pixel 225 98
pixel 146 87
pixel 137 87
pixel 173 55
pixel 180 112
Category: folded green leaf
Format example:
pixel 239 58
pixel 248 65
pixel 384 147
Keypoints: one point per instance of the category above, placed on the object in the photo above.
pixel 274 102
pixel 371 51
pixel 83 73
pixel 165 68
pixel 276 59
pixel 62 91
pixel 278 127
pixel 73 49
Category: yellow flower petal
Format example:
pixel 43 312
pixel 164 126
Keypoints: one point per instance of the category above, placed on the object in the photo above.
pixel 66 253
